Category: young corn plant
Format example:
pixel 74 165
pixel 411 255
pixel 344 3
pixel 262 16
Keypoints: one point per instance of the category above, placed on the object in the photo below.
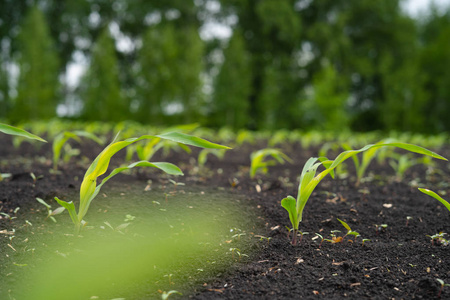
pixel 401 163
pixel 203 155
pixel 11 130
pixel 435 196
pixel 259 164
pixel 50 213
pixel 8 129
pixel 61 139
pixel 89 188
pixel 309 180
pixel 349 230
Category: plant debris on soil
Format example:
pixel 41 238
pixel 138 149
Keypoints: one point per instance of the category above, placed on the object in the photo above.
pixel 397 261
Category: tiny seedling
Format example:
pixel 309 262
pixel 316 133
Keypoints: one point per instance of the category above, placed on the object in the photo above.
pixel 439 239
pixel 170 278
pixel 443 284
pixel 309 180
pixel 11 130
pixel 408 218
pixel 203 155
pixel 61 139
pixel 166 295
pixel 261 238
pixel 380 228
pixel 50 213
pixel 238 252
pixel 258 162
pixel 175 184
pixel 349 230
pixel 89 188
pixel 8 216
pixel 334 238
pixel 321 239
pixel 364 241
pixel 401 163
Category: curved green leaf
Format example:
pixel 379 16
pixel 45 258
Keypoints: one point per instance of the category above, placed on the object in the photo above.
pixel 289 204
pixel 190 140
pixel 435 196
pixel 70 208
pixel 8 129
pixel 163 166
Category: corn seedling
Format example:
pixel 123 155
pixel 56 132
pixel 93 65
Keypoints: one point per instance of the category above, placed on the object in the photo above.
pixel 401 163
pixel 118 228
pixel 261 238
pixel 380 228
pixel 175 184
pixel 439 239
pixel 89 188
pixel 309 180
pixel 435 196
pixel 258 163
pixel 50 213
pixel 238 252
pixel 61 140
pixel 408 218
pixel 321 239
pixel 364 241
pixel 349 230
pixel 334 238
pixel 203 155
pixel 166 295
pixel 11 130
pixel 443 284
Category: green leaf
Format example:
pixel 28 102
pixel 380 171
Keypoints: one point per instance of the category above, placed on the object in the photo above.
pixel 190 140
pixel 19 132
pixel 435 196
pixel 43 202
pixel 345 225
pixel 70 208
pixel 289 204
pixel 163 166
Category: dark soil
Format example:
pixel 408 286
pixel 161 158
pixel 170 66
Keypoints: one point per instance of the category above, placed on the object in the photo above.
pixel 399 262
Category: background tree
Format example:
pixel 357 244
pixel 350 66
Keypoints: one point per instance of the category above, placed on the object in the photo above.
pixel 101 91
pixel 434 64
pixel 170 65
pixel 233 86
pixel 329 100
pixel 38 63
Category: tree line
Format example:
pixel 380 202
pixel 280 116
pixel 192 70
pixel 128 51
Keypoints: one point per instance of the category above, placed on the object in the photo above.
pixel 329 64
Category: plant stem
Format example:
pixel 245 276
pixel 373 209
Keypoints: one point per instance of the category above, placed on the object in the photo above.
pixel 294 239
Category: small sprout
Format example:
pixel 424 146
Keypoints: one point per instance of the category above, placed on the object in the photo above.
pixel 238 252
pixel 443 284
pixel 258 163
pixel 129 218
pixel 50 212
pixel 321 239
pixel 165 295
pixel 170 278
pixel 365 240
pixel 263 238
pixel 175 184
pixel 380 228
pixel 349 230
pixel 7 216
pixel 439 238
pixel 407 219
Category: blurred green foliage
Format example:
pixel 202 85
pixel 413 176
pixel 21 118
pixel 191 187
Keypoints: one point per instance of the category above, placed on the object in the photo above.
pixel 330 64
